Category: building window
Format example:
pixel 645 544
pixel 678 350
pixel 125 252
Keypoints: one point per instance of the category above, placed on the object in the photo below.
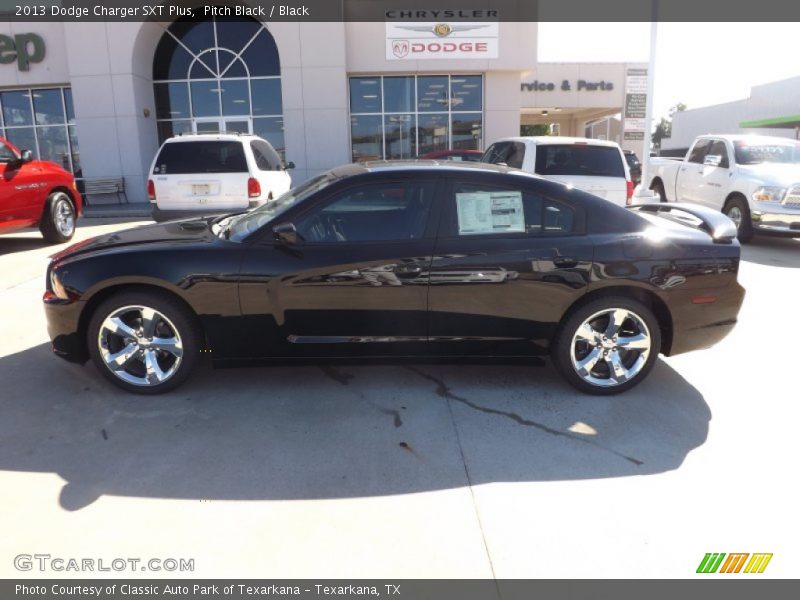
pixel 411 115
pixel 221 75
pixel 42 120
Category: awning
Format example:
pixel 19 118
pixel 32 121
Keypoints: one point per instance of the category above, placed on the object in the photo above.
pixel 790 122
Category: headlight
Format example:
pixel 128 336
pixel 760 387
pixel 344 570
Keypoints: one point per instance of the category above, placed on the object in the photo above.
pixel 57 286
pixel 769 194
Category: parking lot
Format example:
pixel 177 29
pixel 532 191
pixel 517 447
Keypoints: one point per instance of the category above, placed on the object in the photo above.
pixel 405 470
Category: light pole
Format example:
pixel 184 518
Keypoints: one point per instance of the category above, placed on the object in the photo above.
pixel 644 193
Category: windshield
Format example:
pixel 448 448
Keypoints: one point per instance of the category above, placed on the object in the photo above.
pixel 753 154
pixel 243 225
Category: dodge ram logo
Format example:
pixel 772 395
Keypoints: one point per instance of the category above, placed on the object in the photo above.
pixel 400 48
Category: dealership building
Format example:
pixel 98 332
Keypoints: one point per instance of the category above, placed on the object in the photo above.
pixel 99 97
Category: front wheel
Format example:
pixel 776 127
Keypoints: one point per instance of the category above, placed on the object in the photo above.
pixel 658 188
pixel 58 220
pixel 737 211
pixel 607 346
pixel 144 342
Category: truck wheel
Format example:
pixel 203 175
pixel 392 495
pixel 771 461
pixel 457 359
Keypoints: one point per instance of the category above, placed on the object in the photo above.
pixel 737 211
pixel 58 220
pixel 658 188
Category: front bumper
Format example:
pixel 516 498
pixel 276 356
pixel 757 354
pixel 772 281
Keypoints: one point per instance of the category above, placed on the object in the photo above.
pixel 63 327
pixel 776 219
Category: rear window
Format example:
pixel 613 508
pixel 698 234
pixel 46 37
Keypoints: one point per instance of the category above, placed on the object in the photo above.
pixel 579 159
pixel 266 157
pixel 201 157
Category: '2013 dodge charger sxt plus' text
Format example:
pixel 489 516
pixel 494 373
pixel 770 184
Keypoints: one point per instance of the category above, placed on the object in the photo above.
pixel 403 259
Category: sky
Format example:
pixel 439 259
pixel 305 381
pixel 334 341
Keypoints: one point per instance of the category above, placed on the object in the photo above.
pixel 698 64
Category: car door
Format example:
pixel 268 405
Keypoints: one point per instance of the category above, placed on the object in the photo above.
pixel 714 180
pixel 355 283
pixel 508 262
pixel 690 173
pixel 19 189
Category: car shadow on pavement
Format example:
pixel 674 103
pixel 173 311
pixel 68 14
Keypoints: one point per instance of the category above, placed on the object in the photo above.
pixel 325 431
pixel 10 244
pixel 773 251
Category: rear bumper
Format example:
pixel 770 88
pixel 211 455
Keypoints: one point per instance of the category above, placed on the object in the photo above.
pixel 159 215
pixel 698 326
pixel 777 220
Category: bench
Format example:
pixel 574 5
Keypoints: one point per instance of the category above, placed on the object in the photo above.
pixel 96 187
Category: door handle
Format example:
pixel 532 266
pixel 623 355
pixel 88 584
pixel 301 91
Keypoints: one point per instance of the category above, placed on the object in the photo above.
pixel 565 262
pixel 407 271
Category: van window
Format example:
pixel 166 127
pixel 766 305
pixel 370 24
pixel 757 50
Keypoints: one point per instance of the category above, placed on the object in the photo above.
pixel 201 157
pixel 266 157
pixel 579 159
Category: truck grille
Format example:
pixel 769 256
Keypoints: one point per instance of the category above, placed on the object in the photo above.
pixel 792 197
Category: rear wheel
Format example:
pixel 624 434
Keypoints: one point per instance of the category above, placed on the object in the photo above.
pixel 144 342
pixel 58 221
pixel 607 346
pixel 737 211
pixel 658 188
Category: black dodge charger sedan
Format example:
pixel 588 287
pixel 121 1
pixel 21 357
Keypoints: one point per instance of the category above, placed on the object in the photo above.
pixel 403 259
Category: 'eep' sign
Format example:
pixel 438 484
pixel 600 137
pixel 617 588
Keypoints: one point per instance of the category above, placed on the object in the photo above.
pixel 25 48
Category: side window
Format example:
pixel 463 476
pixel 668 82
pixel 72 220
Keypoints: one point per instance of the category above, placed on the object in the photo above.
pixel 266 157
pixel 699 151
pixel 6 154
pixel 384 212
pixel 489 210
pixel 497 153
pixel 516 155
pixel 718 148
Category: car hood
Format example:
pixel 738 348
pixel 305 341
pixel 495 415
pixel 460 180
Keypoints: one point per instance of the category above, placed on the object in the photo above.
pixel 171 232
pixel 777 174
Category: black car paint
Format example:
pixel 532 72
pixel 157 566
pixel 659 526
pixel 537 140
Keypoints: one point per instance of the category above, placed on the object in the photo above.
pixel 259 298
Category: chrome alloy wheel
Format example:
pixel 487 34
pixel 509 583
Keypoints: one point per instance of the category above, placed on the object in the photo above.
pixel 140 345
pixel 64 215
pixel 735 215
pixel 610 347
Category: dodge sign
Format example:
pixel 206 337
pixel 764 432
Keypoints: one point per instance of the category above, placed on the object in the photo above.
pixel 460 39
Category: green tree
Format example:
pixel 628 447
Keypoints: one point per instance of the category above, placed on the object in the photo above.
pixel 664 127
pixel 534 129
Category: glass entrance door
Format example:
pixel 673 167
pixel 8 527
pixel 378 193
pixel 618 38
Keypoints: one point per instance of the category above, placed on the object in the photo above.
pixel 223 125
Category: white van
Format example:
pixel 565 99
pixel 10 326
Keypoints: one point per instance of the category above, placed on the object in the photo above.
pixel 595 166
pixel 214 173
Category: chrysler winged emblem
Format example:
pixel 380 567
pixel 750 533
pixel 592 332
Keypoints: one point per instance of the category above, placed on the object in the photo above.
pixel 441 29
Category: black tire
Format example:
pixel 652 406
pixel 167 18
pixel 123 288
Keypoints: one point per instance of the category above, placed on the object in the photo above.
pixel 58 219
pixel 658 188
pixel 562 351
pixel 744 227
pixel 175 318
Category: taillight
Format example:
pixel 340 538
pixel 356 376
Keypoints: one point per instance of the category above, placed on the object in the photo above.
pixel 253 188
pixel 629 192
pixel 151 189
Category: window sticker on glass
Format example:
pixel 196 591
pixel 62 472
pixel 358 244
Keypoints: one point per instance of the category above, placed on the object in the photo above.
pixel 490 212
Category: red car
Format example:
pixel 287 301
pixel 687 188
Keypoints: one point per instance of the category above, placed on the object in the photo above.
pixel 37 192
pixel 468 155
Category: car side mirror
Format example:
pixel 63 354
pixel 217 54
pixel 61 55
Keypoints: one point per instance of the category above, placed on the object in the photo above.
pixel 712 160
pixel 289 165
pixel 286 233
pixel 26 157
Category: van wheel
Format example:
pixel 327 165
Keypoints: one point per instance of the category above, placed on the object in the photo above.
pixel 607 346
pixel 737 211
pixel 144 342
pixel 58 221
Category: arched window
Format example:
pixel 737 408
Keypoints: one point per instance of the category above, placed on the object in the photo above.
pixel 218 75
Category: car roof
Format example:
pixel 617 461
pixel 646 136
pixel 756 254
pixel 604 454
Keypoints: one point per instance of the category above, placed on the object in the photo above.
pixel 543 140
pixel 418 165
pixel 205 137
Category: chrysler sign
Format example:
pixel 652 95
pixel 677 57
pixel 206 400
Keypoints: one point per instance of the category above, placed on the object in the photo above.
pixel 416 41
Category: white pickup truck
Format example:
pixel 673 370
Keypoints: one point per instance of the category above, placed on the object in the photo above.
pixel 754 180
